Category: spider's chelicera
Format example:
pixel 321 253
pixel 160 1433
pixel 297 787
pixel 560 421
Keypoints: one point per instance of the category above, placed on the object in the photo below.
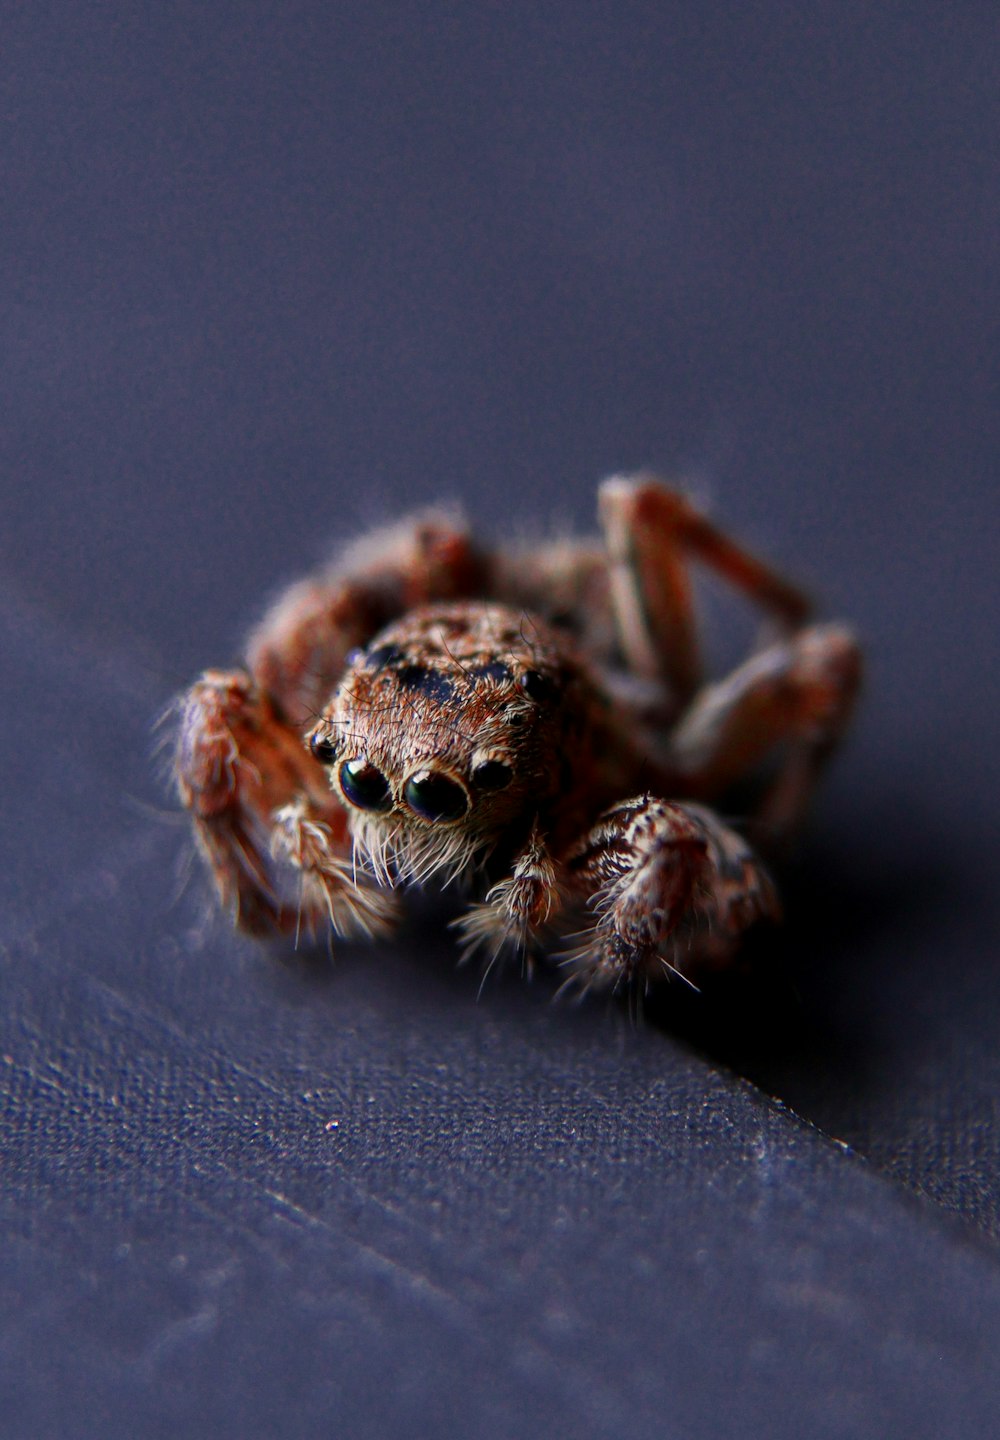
pixel 530 727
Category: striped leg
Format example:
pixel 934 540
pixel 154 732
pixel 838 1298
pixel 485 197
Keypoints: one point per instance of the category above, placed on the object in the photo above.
pixel 270 829
pixel 672 891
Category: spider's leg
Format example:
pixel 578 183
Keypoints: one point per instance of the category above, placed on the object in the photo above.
pixel 565 582
pixel 669 891
pixel 515 912
pixel 270 829
pixel 273 834
pixel 652 535
pixel 792 700
pixel 298 652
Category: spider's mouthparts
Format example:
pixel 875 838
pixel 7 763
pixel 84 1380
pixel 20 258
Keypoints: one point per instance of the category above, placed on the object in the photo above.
pixel 405 855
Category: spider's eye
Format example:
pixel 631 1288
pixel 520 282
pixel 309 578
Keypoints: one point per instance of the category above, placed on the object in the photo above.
pixel 323 747
pixel 435 797
pixel 537 686
pixel 364 786
pixel 492 775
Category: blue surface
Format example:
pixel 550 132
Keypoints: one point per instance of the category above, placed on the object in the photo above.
pixel 271 274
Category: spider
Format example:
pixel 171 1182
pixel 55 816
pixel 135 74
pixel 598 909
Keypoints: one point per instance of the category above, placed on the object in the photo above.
pixel 531 724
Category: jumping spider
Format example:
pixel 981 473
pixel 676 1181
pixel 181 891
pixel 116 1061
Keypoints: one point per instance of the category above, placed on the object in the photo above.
pixel 532 723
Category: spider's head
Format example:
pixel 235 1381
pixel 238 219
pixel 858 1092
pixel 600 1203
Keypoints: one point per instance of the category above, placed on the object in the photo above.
pixel 445 731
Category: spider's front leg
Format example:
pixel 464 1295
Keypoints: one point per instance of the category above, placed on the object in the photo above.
pixel 274 835
pixel 271 831
pixel 673 891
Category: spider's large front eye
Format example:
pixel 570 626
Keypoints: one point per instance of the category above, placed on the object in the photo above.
pixel 364 786
pixel 435 797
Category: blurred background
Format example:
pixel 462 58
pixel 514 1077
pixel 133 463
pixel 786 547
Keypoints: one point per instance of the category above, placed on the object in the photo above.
pixel 273 273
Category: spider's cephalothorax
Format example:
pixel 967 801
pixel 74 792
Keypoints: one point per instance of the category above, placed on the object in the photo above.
pixel 533 722
pixel 444 731
pixel 454 730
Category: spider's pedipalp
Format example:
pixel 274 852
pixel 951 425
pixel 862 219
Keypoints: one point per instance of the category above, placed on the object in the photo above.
pixel 516 912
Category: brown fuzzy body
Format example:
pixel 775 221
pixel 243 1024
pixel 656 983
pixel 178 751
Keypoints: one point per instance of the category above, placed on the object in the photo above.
pixel 531 725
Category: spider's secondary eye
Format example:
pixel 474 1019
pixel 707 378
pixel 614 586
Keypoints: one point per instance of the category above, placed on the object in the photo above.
pixel 492 775
pixel 364 786
pixel 383 656
pixel 435 797
pixel 323 747
pixel 537 686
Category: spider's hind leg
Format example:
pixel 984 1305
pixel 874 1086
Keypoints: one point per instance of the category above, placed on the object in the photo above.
pixel 298 652
pixel 652 535
pixel 792 700
pixel 673 891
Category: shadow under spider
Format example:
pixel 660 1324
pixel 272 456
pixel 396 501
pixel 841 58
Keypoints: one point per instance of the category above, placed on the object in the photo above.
pixel 794 1016
pixel 806 1015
